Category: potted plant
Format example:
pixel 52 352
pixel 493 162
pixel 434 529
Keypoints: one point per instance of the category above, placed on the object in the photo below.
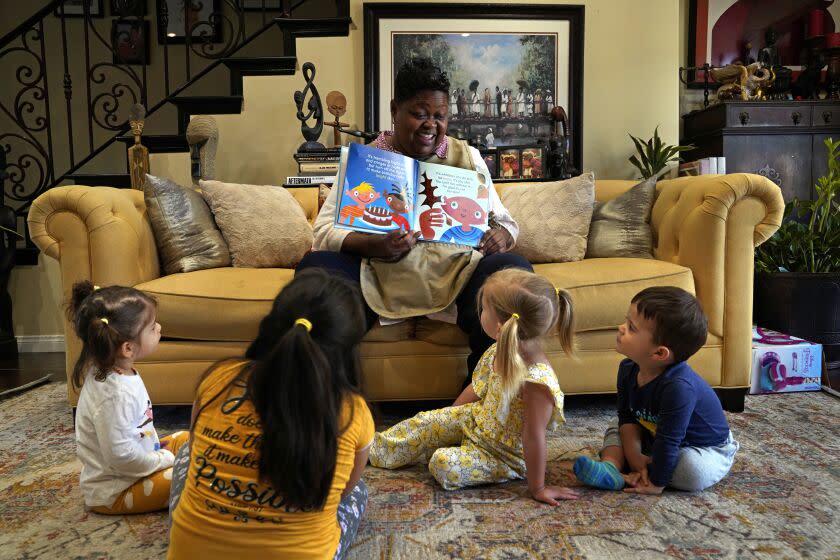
pixel 654 155
pixel 797 281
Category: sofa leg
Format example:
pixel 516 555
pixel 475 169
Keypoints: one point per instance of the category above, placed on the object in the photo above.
pixel 732 400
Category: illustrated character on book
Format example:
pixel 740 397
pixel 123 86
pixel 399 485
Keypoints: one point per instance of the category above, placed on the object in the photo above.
pixel 397 203
pixel 466 212
pixel 361 195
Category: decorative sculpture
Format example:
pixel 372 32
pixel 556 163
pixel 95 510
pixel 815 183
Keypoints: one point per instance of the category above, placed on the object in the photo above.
pixel 203 138
pixel 310 134
pixel 138 154
pixel 558 153
pixel 742 82
pixel 337 106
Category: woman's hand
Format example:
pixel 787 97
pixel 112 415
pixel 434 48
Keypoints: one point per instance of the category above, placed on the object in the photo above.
pixel 550 494
pixel 429 219
pixel 496 240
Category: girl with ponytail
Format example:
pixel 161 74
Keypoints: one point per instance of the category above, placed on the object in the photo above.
pixel 280 437
pixel 495 430
pixel 126 468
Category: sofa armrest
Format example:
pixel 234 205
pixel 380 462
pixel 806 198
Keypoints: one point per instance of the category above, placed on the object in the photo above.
pixel 99 234
pixel 712 224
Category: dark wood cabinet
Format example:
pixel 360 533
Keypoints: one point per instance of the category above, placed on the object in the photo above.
pixel 782 140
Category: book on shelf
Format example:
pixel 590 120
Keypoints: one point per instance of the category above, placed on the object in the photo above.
pixel 383 191
pixel 302 180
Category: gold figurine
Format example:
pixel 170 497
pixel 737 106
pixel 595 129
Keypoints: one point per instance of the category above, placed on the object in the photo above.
pixel 138 154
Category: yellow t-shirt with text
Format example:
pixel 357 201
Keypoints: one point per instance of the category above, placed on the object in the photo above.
pixel 225 510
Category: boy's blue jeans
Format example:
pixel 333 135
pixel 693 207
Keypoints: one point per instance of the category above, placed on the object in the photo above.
pixel 697 468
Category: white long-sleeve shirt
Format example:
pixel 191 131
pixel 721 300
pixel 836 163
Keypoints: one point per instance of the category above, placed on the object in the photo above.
pixel 116 440
pixel 329 238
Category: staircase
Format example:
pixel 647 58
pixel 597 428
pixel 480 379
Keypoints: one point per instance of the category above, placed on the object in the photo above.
pixel 50 140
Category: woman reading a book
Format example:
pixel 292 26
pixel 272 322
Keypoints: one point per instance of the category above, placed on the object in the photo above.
pixel 450 273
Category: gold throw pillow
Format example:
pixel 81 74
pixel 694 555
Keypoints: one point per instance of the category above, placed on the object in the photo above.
pixel 186 235
pixel 621 227
pixel 264 225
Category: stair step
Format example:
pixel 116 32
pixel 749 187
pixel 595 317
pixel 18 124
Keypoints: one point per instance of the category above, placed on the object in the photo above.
pixel 209 104
pixel 119 180
pixel 317 27
pixel 262 65
pixel 205 105
pixel 159 143
pixel 257 66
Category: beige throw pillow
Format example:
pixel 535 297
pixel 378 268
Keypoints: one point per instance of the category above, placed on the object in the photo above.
pixel 264 226
pixel 621 226
pixel 186 235
pixel 553 218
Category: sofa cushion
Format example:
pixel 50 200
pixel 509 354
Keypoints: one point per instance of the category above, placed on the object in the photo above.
pixel 224 304
pixel 553 218
pixel 264 226
pixel 227 304
pixel 186 235
pixel 621 226
pixel 601 289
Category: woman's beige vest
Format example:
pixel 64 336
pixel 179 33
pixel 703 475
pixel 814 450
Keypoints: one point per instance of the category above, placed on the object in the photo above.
pixel 430 276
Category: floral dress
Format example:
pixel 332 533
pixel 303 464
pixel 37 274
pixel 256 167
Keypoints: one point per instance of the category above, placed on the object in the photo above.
pixel 471 444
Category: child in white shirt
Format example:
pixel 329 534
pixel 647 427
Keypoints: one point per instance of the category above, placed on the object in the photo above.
pixel 126 468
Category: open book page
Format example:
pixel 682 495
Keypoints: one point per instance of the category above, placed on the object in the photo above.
pixel 377 190
pixel 452 204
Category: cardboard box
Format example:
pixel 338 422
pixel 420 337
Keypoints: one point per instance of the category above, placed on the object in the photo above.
pixel 784 364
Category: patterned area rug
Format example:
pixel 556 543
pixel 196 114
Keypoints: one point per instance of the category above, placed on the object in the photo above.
pixel 778 502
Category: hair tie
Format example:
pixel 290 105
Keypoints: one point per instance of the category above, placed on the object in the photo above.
pixel 104 320
pixel 306 324
pixel 515 315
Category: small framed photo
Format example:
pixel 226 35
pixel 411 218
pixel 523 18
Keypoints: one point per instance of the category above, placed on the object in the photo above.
pixel 533 161
pixel 126 8
pixel 490 160
pixel 200 18
pixel 257 5
pixel 76 8
pixel 509 167
pixel 130 41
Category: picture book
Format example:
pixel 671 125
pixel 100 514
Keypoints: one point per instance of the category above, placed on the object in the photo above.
pixel 382 191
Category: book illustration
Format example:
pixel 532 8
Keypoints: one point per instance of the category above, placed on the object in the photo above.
pixel 380 192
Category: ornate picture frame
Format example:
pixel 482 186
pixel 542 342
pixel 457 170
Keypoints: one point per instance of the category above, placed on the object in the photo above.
pixel 76 8
pixel 459 37
pixel 130 41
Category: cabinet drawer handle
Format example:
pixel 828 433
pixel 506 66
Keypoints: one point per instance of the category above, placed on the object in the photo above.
pixel 745 117
pixel 796 116
pixel 826 117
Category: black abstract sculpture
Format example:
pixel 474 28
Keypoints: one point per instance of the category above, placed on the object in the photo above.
pixel 315 111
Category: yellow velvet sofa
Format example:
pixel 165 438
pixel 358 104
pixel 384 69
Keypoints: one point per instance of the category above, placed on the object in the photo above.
pixel 705 229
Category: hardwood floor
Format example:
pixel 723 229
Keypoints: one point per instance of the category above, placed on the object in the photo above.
pixel 29 370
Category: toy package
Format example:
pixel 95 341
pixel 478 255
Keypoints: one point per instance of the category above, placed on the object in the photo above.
pixel 784 363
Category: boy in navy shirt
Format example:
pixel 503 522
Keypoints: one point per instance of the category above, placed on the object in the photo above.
pixel 671 429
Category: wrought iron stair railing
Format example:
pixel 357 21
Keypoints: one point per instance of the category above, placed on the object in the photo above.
pixel 71 78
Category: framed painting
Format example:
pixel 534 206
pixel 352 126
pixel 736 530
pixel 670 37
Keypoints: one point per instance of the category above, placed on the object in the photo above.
pixel 724 31
pixel 130 41
pixel 533 162
pixel 509 164
pixel 258 5
pixel 489 157
pixel 76 8
pixel 508 66
pixel 126 8
pixel 200 18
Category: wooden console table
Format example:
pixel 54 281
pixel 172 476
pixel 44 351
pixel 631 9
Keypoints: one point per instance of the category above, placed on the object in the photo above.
pixel 782 140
